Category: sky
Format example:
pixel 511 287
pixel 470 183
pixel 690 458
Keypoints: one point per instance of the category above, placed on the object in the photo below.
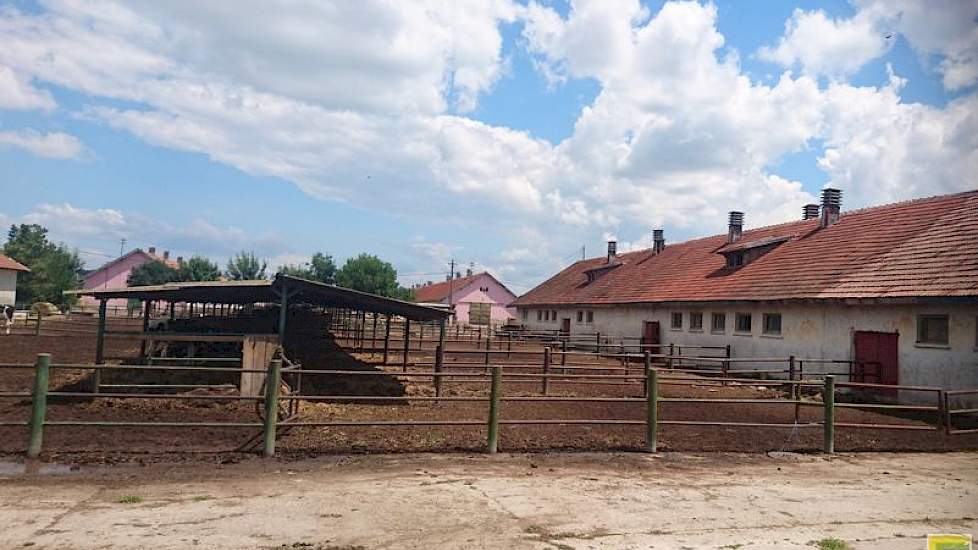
pixel 508 135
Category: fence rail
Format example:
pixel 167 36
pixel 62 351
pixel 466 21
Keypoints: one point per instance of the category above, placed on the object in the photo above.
pixel 647 379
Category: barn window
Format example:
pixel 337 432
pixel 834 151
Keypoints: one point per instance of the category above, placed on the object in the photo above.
pixel 743 323
pixel 932 329
pixel 590 317
pixel 580 317
pixel 526 313
pixel 677 320
pixel 719 322
pixel 553 315
pixel 539 315
pixel 772 324
pixel 695 321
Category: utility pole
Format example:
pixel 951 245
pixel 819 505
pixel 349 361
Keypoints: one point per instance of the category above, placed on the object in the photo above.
pixel 122 246
pixel 583 252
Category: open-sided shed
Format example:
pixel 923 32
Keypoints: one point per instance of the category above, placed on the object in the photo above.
pixel 283 290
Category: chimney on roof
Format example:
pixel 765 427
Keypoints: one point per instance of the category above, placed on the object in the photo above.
pixel 166 254
pixel 152 250
pixel 179 260
pixel 612 250
pixel 831 205
pixel 658 241
pixel 449 276
pixel 736 227
pixel 458 274
pixel 809 211
pixel 468 272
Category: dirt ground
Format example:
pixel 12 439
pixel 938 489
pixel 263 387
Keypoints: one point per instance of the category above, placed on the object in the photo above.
pixel 158 444
pixel 540 501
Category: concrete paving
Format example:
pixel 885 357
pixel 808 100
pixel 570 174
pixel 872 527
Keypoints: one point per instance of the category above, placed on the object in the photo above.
pixel 553 501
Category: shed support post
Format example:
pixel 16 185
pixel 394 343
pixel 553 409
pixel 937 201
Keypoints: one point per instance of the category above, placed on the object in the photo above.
pixel 794 387
pixel 172 310
pixel 142 345
pixel 828 402
pixel 407 343
pixel 648 367
pixel 39 402
pixel 373 336
pixel 387 338
pixel 99 345
pixel 283 314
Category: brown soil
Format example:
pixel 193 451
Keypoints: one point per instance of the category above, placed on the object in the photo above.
pixel 153 444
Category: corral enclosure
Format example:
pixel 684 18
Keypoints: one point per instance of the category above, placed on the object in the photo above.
pixel 367 381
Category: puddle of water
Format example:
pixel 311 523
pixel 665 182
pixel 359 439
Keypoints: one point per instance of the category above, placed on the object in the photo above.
pixel 32 467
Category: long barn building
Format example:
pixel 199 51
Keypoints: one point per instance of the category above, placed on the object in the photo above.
pixel 895 286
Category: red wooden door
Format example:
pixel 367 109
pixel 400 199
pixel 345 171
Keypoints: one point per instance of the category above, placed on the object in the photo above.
pixel 565 327
pixel 876 357
pixel 650 336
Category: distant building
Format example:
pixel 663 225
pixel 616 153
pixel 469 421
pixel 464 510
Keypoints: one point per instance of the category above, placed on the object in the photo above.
pixel 115 273
pixel 8 280
pixel 478 299
pixel 892 288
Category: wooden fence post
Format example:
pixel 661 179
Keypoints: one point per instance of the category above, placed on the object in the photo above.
pixel 492 440
pixel 273 379
pixel 387 339
pixel 651 409
pixel 439 367
pixel 828 402
pixel 648 367
pixel 794 387
pixel 39 403
pixel 545 379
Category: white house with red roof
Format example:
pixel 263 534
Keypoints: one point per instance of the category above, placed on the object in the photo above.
pixel 115 273
pixel 476 299
pixel 893 288
pixel 9 268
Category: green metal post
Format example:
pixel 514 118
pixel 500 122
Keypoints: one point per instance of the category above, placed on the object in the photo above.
pixel 439 367
pixel 387 339
pixel 373 336
pixel 283 313
pixel 273 379
pixel 494 394
pixel 651 409
pixel 142 344
pixel 39 404
pixel 828 402
pixel 545 379
pixel 794 387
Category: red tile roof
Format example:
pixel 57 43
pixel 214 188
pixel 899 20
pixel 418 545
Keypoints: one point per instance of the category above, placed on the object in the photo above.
pixel 439 291
pixel 11 264
pixel 920 248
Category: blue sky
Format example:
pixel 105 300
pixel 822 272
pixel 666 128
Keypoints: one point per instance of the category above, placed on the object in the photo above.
pixel 507 135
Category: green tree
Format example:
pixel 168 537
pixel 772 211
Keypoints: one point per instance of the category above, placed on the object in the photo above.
pixel 246 267
pixel 368 273
pixel 321 268
pixel 199 268
pixel 153 272
pixel 54 268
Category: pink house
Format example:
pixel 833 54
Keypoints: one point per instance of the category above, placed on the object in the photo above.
pixel 115 274
pixel 478 299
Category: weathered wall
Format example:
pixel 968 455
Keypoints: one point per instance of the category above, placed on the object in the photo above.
pixel 815 331
pixel 8 287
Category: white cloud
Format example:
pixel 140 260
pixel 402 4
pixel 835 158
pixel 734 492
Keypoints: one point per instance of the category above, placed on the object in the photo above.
pixel 831 47
pixel 53 145
pixel 16 92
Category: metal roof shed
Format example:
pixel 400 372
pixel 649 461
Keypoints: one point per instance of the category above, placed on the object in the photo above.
pixel 284 290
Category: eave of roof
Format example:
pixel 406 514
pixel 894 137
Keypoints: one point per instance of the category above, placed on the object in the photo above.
pixel 300 291
pixel 10 264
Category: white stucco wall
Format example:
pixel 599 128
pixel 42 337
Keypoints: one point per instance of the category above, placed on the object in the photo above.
pixel 814 331
pixel 8 287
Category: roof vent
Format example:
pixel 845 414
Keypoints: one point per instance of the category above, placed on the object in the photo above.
pixel 612 250
pixel 658 241
pixel 831 205
pixel 152 250
pixel 809 211
pixel 736 226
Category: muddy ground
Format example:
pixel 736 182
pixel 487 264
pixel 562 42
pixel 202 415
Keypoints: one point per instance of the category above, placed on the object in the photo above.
pixel 155 444
pixel 538 501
